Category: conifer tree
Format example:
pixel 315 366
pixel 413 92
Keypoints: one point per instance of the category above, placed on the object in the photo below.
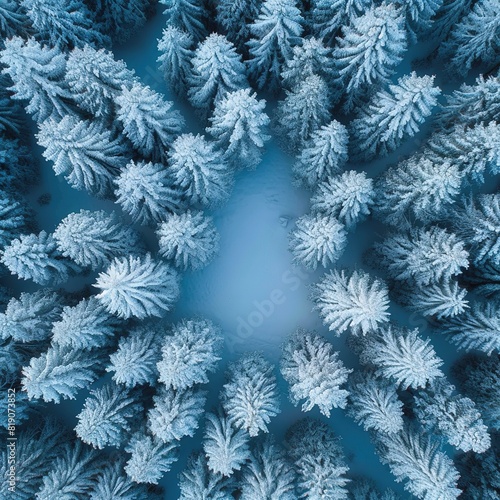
pixel 226 448
pixel 135 361
pixel 326 18
pixel 415 458
pixel 13 19
pixel 64 23
pixel 148 192
pixel 476 328
pixel 87 325
pixel 95 78
pixel 474 39
pixel 138 287
pixel 36 257
pixel 176 414
pixel 305 109
pixel 317 239
pixel 37 74
pixel 314 373
pixel 447 16
pixel 190 239
pixel 176 52
pixel 84 152
pixel 235 17
pixel 29 318
pixel 59 373
pixel 106 417
pixel 401 356
pixel 250 396
pixel 323 155
pixel 417 189
pixel 189 354
pixel 187 15
pixel 351 300
pixel 268 474
pixel 453 416
pixel 150 458
pixel 371 47
pixel 274 33
pixel 347 197
pixel 318 460
pixel 420 17
pixel 148 120
pixel 93 239
pixel 197 481
pixel 239 127
pixel 216 70
pixel 374 403
pixel 199 170
pixel 15 218
pixel 393 115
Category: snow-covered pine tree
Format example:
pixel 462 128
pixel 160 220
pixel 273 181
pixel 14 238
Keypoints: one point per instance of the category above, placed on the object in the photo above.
pixel 199 170
pixel 347 197
pixel 323 155
pixel 148 120
pixel 423 256
pixel 189 354
pixel 477 223
pixel 235 17
pixel 36 257
pixel 374 403
pixel 134 362
pixel 84 151
pixel 95 78
pixel 59 373
pixel 197 481
pixel 318 460
pixel 371 47
pixel 107 416
pixel 225 447
pixel 441 411
pixel 189 239
pixel 85 326
pixel 15 218
pixel 392 115
pixel 326 18
pixel 305 109
pixel 478 378
pixel 176 414
pixel 148 192
pixel 239 127
pixel 13 20
pixel 415 458
pixel 216 70
pixel 187 15
pixel 474 149
pixel 351 300
pixel 474 38
pixel 420 15
pixel 447 16
pixel 268 474
pixel 93 238
pixel 274 33
pixel 72 473
pixel 176 52
pixel 64 23
pixel 29 318
pixel 472 104
pixel 309 58
pixel 37 74
pixel 150 458
pixel 112 483
pixel 476 328
pixel 120 19
pixel 250 395
pixel 401 356
pixel 138 287
pixel 416 189
pixel 314 372
pixel 317 239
